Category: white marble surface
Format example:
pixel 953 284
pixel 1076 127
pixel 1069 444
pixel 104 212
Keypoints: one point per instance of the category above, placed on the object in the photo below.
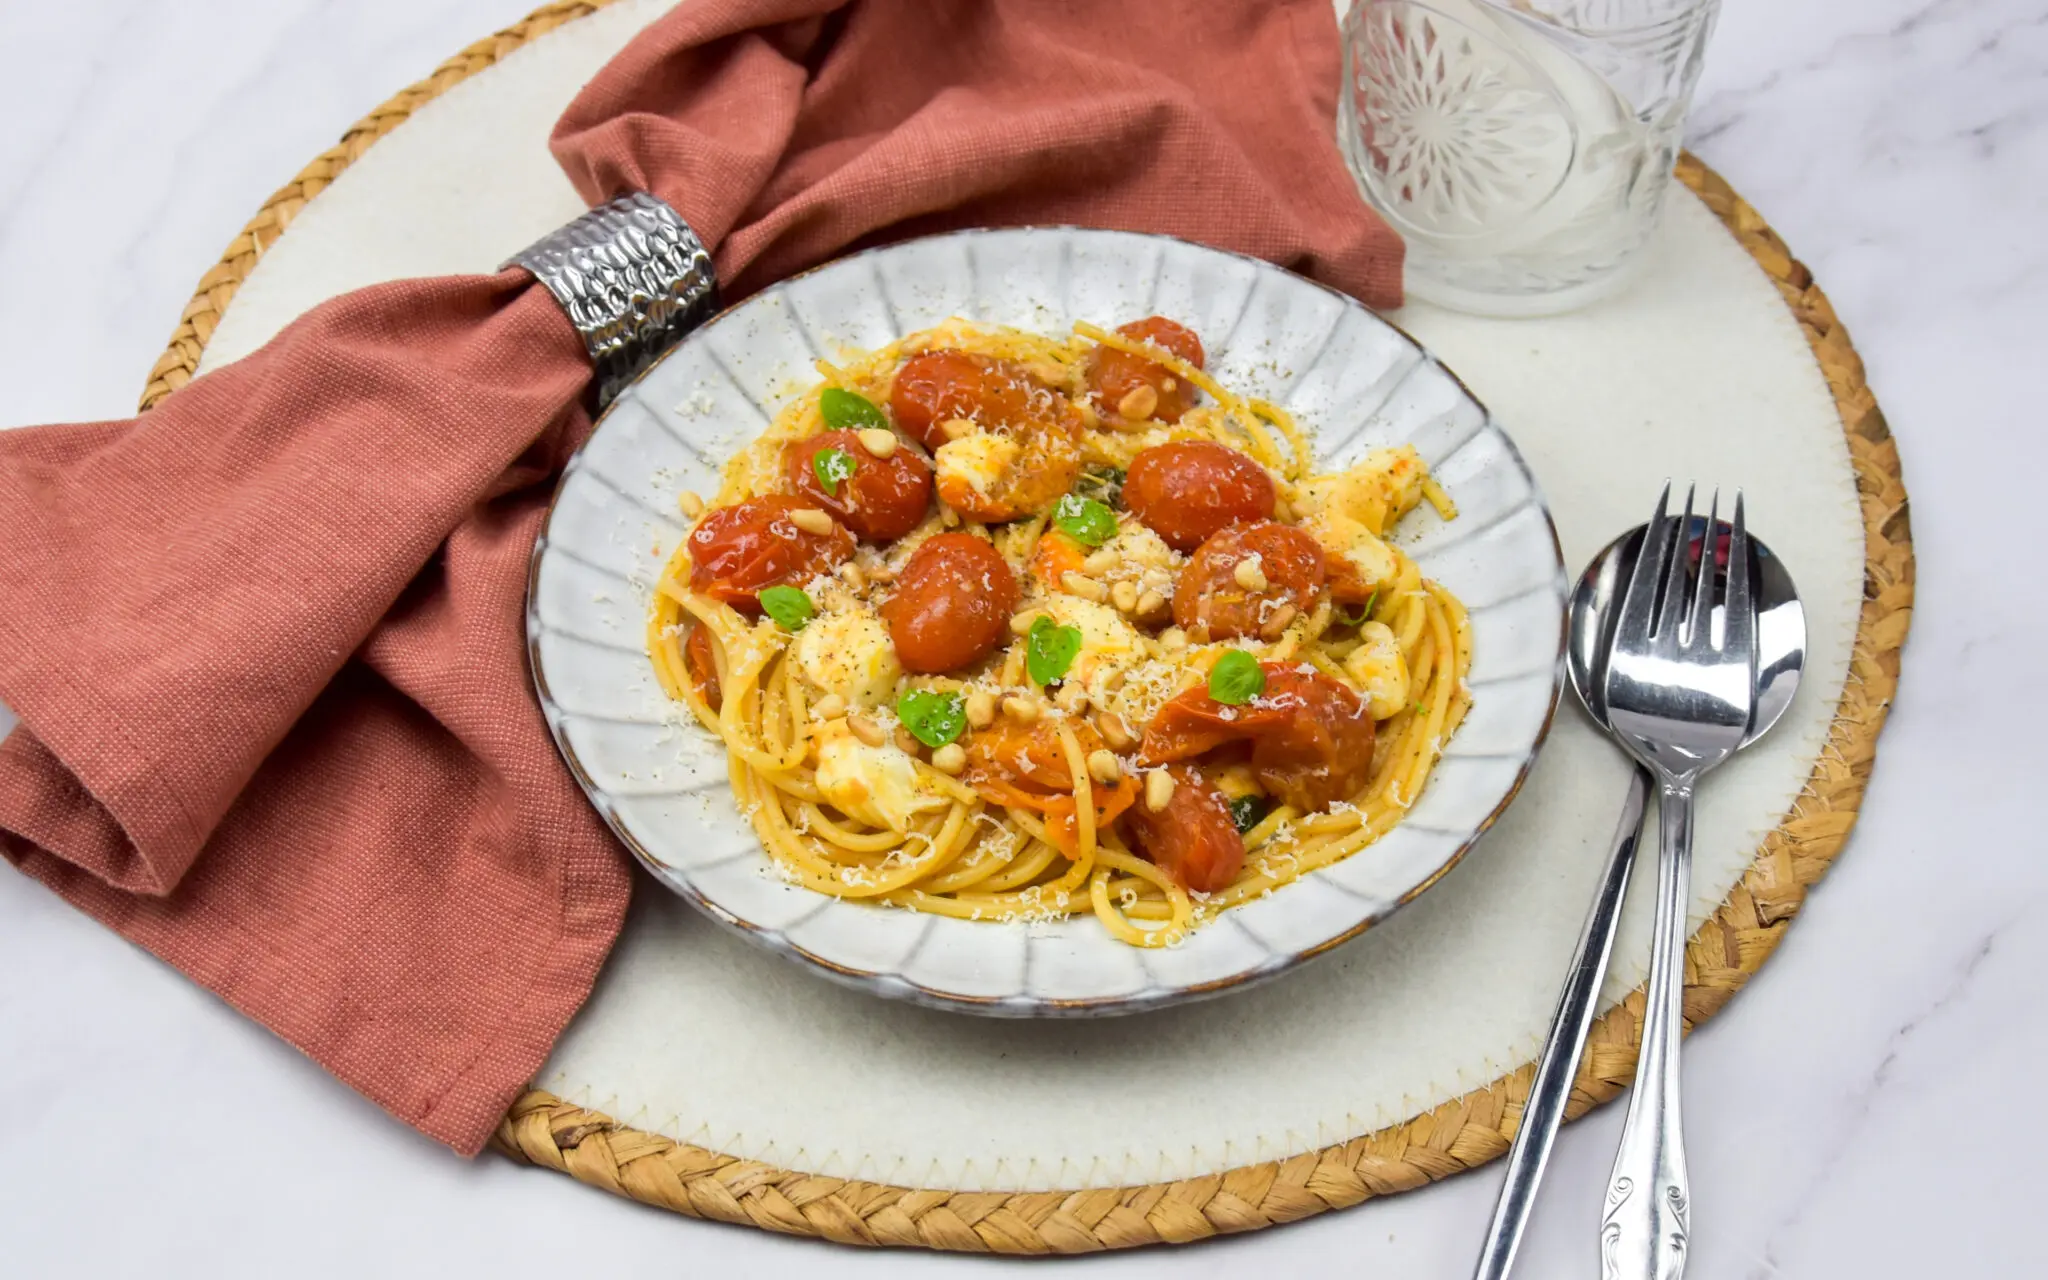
pixel 1868 1107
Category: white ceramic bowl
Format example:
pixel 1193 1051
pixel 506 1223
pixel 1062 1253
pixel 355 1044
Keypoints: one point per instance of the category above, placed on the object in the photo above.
pixel 1353 380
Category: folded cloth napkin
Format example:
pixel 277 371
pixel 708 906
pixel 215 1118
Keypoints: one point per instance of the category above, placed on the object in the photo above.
pixel 265 641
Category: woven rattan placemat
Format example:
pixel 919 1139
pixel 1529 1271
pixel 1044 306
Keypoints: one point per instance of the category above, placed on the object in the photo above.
pixel 1465 1132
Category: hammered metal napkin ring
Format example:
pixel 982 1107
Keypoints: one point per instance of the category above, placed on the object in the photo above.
pixel 633 279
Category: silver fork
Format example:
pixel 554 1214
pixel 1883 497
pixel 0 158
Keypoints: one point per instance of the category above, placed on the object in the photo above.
pixel 1679 699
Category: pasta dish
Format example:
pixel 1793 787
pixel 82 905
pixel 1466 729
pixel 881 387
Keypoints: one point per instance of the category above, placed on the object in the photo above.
pixel 1008 626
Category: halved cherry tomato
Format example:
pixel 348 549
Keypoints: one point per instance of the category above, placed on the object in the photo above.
pixel 1188 489
pixel 1193 839
pixel 934 387
pixel 952 604
pixel 1025 766
pixel 702 667
pixel 881 501
pixel 736 552
pixel 1114 374
pixel 1210 601
pixel 1312 737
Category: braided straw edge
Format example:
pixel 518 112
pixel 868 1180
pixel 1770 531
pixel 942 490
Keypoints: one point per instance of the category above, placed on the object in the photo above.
pixel 544 1130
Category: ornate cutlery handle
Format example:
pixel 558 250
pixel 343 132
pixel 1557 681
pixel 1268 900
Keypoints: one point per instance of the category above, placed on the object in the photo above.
pixel 1551 1088
pixel 1648 1222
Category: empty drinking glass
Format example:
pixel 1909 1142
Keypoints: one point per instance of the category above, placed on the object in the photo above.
pixel 1521 148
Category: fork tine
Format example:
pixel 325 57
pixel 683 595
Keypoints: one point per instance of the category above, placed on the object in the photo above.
pixel 1639 601
pixel 1699 625
pixel 1672 595
pixel 1739 638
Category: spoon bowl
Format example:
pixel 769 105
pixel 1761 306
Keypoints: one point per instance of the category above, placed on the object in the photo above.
pixel 1780 629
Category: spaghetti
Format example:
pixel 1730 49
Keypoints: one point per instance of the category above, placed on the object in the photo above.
pixel 1013 627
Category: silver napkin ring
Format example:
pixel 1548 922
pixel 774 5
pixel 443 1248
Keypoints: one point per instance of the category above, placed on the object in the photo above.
pixel 633 278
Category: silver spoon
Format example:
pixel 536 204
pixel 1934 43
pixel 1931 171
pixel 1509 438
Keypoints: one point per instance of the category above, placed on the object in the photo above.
pixel 1781 656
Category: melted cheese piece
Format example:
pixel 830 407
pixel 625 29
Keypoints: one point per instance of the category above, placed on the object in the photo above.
pixel 1107 641
pixel 876 785
pixel 1137 549
pixel 1380 670
pixel 849 654
pixel 1345 538
pixel 1376 492
pixel 1348 513
pixel 978 460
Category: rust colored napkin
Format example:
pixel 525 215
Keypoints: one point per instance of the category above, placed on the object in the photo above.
pixel 266 641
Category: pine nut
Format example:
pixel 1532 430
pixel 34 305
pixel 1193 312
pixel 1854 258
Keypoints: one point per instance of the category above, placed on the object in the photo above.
pixel 906 742
pixel 1173 639
pixel 951 758
pixel 1276 626
pixel 1124 596
pixel 692 505
pixel 981 709
pixel 878 441
pixel 866 730
pixel 1150 605
pixel 1250 573
pixel 954 428
pixel 1104 767
pixel 1020 708
pixel 1114 731
pixel 829 707
pixel 853 575
pixel 1072 697
pixel 1139 402
pixel 1080 584
pixel 1100 562
pixel 1020 623
pixel 1159 785
pixel 811 520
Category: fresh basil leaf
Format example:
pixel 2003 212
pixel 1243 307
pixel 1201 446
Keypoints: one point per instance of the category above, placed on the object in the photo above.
pixel 934 719
pixel 1364 612
pixel 832 466
pixel 1084 520
pixel 1236 678
pixel 842 408
pixel 790 607
pixel 1050 649
pixel 1246 812
pixel 1104 484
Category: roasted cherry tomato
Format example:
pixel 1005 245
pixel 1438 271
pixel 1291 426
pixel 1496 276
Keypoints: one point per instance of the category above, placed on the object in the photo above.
pixel 1024 766
pixel 934 387
pixel 952 604
pixel 737 551
pixel 1187 490
pixel 1311 736
pixel 1114 374
pixel 1212 601
pixel 1193 839
pixel 883 498
pixel 701 666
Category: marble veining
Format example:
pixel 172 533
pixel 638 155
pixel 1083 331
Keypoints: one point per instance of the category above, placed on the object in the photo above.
pixel 1868 1107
